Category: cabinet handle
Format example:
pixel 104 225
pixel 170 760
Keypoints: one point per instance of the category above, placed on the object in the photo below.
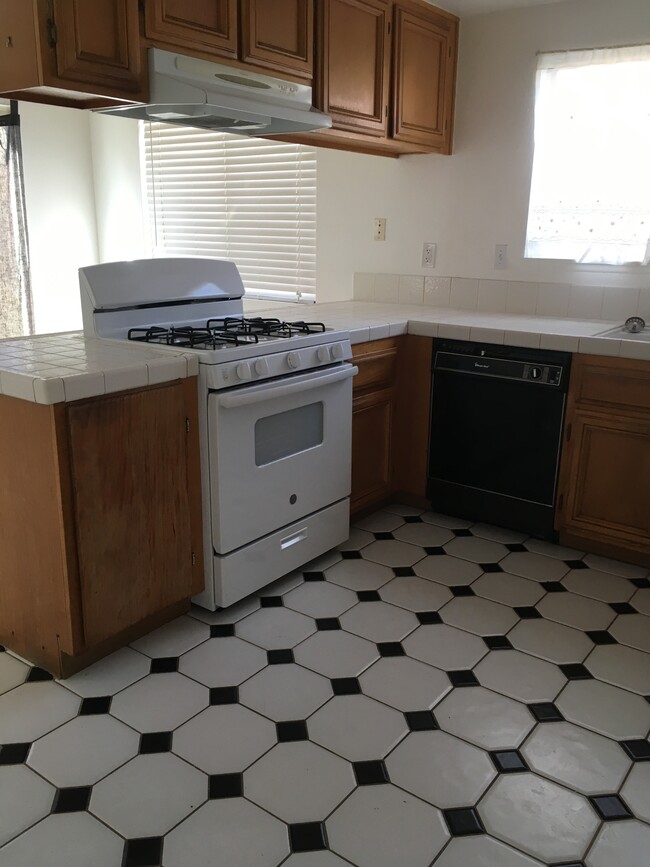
pixel 9 42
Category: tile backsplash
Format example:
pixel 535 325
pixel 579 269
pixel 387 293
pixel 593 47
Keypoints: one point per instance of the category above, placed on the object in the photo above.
pixel 505 296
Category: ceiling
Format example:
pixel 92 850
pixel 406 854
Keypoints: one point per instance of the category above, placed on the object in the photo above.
pixel 463 8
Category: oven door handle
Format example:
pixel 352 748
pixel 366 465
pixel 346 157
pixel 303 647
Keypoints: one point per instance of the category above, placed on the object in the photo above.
pixel 319 380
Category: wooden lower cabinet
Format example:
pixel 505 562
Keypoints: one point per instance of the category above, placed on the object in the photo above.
pixel 100 521
pixel 390 421
pixel 604 503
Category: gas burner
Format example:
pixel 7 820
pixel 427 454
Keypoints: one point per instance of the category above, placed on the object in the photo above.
pixel 188 337
pixel 264 327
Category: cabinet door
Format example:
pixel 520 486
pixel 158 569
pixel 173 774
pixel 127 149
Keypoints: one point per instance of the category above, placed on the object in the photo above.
pixel 98 43
pixel 424 77
pixel 372 418
pixel 354 64
pixel 607 480
pixel 128 457
pixel 200 25
pixel 279 35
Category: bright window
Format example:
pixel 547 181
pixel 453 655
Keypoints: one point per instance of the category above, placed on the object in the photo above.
pixel 234 197
pixel 590 191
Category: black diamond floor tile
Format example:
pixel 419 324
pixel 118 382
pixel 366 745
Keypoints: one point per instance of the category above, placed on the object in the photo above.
pixel 421 720
pixel 641 583
pixel 463 678
pixel 96 705
pixel 497 642
pixel 271 602
pixel 370 773
pixel 280 657
pixel 462 590
pixel 313 576
pixel 143 852
pixel 292 730
pixel 460 533
pixel 623 608
pixel 527 612
pixel 37 675
pixel 508 761
pixel 576 564
pixel 610 808
pixel 14 754
pixel 637 750
pixel 463 821
pixel 327 624
pixel 351 555
pixel 516 548
pixel 413 519
pixel 222 630
pixel 554 587
pixel 368 596
pixel 383 536
pixel 225 786
pixel 155 742
pixel 601 636
pixel 345 686
pixel 224 695
pixel 434 550
pixel 545 711
pixel 72 800
pixel 575 671
pixel 164 664
pixel 490 567
pixel 403 571
pixel 308 837
pixel 428 618
pixel 390 648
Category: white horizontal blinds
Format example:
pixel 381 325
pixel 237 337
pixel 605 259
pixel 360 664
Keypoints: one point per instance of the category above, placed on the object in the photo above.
pixel 234 197
pixel 590 191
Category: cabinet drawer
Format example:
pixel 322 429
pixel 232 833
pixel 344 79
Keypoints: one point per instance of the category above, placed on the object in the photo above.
pixel 377 363
pixel 611 383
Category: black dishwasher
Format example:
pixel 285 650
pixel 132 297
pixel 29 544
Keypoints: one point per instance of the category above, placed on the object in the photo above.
pixel 496 432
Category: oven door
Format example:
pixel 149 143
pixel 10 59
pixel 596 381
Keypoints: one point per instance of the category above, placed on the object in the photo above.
pixel 278 451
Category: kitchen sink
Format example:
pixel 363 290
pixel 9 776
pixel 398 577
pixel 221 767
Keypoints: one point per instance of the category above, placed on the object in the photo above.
pixel 620 333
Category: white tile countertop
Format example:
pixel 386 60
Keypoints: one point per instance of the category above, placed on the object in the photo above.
pixel 372 321
pixel 53 368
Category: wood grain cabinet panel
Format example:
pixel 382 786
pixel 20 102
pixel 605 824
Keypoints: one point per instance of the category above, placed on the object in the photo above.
pixel 199 25
pixel 372 421
pixel 279 35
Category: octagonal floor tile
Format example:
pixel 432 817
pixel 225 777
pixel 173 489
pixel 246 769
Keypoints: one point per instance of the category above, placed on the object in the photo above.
pixel 598 585
pixel 273 628
pixel 498 534
pixel 357 727
pixel 415 594
pixel 224 739
pixel 12 672
pixel 379 621
pixel 404 683
pixel 441 769
pixel 445 646
pixel 159 702
pixel 485 718
pixel 549 549
pixel 550 640
pixel 24 799
pixel 520 676
pixel 360 574
pixel 616 567
pixel 33 709
pixel 538 816
pixel 173 638
pixel 222 661
pixel 641 600
pixel 621 666
pixel 357 540
pixel 402 509
pixel 478 615
pixel 83 750
pixel 483 851
pixel 423 534
pixel 231 831
pixel 537 567
pixel 508 589
pixel 446 569
pixel 625 844
pixel 69 839
pixel 476 550
pixel 381 826
pixel 149 795
pixel 380 522
pixel 315 859
pixel 580 759
pixel 320 599
pixel 605 709
pixel 299 782
pixel 446 521
pixel 577 611
pixel 111 674
pixel 285 692
pixel 636 791
pixel 336 653
pixel 390 552
pixel 633 630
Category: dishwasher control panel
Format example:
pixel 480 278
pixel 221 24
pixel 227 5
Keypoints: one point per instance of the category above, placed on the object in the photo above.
pixel 547 374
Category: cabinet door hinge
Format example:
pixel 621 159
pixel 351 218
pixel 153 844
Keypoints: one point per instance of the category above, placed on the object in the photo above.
pixel 51 32
pixel 187 425
pixel 193 559
pixel 568 432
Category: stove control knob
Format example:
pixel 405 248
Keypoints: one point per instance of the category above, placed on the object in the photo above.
pixel 293 360
pixel 262 367
pixel 536 372
pixel 323 354
pixel 337 351
pixel 244 370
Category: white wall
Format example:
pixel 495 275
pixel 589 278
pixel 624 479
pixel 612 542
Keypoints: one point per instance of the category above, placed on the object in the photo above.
pixel 60 206
pixel 478 197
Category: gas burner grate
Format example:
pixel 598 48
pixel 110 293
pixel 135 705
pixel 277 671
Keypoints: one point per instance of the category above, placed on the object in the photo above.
pixel 264 327
pixel 188 337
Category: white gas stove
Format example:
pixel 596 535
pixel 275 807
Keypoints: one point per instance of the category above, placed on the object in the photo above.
pixel 275 404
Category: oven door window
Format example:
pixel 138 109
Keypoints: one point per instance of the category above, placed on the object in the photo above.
pixel 287 433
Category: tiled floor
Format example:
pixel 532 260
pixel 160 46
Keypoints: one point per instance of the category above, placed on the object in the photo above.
pixel 433 693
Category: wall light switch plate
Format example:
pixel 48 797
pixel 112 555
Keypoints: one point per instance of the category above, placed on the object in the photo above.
pixel 501 257
pixel 380 229
pixel 428 255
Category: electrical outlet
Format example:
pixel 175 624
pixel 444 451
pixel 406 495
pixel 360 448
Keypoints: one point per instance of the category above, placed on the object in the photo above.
pixel 501 256
pixel 380 229
pixel 428 255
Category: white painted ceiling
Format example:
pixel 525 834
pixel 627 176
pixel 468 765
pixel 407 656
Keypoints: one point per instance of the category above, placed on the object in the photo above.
pixel 463 8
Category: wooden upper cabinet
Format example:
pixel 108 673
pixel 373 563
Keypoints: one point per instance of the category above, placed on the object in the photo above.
pixel 423 78
pixel 201 25
pixel 279 35
pixel 354 66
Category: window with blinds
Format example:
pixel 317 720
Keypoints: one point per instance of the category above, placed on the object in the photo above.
pixel 234 197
